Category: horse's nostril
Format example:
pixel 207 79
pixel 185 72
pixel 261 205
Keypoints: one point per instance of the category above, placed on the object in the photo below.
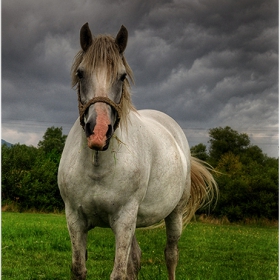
pixel 88 129
pixel 109 131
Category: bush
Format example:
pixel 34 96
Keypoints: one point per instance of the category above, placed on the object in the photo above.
pixel 29 174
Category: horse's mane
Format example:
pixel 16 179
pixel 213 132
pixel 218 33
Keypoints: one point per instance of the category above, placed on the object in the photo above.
pixel 104 52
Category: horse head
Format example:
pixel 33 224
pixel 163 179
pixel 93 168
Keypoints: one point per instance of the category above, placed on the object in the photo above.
pixel 101 74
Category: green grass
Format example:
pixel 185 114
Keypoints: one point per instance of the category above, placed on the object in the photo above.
pixel 37 246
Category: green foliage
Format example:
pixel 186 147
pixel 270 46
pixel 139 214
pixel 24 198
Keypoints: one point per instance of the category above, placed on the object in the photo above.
pixel 53 141
pixel 200 151
pixel 247 178
pixel 248 190
pixel 16 161
pixel 224 140
pixel 29 174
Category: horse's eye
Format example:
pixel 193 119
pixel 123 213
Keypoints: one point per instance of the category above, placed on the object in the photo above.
pixel 123 76
pixel 80 74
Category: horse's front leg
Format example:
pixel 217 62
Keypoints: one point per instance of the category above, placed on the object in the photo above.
pixel 123 225
pixel 78 236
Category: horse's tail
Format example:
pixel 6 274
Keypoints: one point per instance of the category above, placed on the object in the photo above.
pixel 204 188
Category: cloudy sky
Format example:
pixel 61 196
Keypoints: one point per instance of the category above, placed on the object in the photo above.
pixel 207 63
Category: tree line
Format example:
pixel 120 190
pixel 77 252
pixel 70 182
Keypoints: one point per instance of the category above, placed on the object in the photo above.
pixel 29 174
pixel 247 178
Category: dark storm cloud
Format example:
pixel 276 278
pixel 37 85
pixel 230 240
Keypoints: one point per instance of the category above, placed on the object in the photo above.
pixel 206 63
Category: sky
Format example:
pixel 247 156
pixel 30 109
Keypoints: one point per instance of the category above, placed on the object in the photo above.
pixel 206 63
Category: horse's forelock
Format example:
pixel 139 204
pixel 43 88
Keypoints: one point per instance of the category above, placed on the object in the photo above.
pixel 104 52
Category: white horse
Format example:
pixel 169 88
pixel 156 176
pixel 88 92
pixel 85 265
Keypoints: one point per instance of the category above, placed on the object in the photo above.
pixel 122 168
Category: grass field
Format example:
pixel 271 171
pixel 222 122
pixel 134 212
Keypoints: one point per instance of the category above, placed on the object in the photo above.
pixel 37 246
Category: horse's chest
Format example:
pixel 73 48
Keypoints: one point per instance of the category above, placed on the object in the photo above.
pixel 103 190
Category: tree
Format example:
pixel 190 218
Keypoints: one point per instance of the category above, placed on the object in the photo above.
pixel 29 174
pixel 53 140
pixel 16 161
pixel 253 153
pixel 200 151
pixel 40 190
pixel 229 164
pixel 224 140
pixel 247 179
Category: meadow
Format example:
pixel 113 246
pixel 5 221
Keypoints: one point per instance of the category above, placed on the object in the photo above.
pixel 37 246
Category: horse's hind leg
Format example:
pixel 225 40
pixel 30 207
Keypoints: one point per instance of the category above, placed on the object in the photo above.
pixel 134 266
pixel 173 231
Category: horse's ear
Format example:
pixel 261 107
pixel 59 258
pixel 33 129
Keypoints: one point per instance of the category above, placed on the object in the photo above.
pixel 121 39
pixel 85 37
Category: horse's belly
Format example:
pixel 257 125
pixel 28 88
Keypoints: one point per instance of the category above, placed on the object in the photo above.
pixel 163 194
pixel 150 214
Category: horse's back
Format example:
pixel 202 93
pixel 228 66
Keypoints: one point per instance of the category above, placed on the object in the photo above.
pixel 165 124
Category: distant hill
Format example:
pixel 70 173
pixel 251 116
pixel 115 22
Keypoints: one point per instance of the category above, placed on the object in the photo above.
pixel 5 142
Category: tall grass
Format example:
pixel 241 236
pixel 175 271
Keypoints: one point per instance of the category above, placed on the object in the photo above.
pixel 37 246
